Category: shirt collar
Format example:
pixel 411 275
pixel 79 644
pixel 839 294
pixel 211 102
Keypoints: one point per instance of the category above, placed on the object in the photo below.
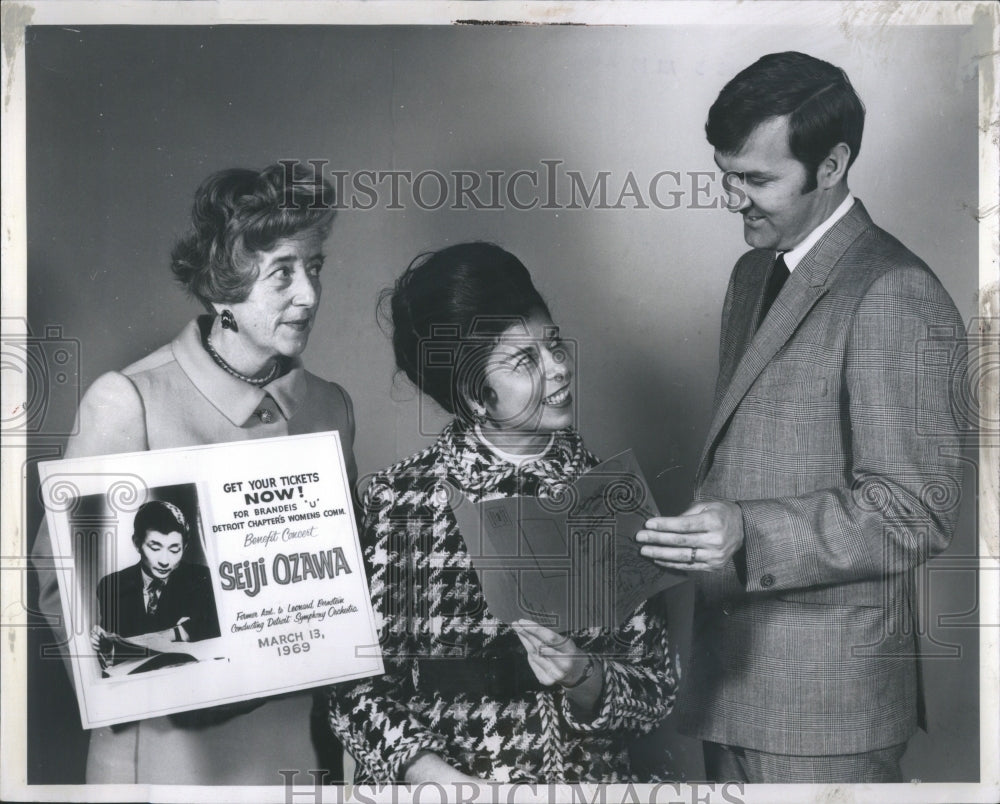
pixel 147 580
pixel 235 399
pixel 794 256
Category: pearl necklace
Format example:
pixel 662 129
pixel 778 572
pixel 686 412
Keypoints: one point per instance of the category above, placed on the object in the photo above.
pixel 258 382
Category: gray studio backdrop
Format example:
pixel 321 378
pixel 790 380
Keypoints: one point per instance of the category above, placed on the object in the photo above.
pixel 124 122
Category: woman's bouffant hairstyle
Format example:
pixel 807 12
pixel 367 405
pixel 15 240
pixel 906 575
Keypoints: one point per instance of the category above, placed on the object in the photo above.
pixel 447 311
pixel 822 107
pixel 160 516
pixel 239 212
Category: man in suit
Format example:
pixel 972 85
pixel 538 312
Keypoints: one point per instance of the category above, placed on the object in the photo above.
pixel 161 594
pixel 820 487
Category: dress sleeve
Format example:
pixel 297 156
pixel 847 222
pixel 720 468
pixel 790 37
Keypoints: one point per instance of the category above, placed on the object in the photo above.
pixel 352 467
pixel 639 681
pixel 371 716
pixel 111 419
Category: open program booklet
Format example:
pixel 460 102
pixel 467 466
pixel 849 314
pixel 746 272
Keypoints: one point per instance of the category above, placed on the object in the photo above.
pixel 569 561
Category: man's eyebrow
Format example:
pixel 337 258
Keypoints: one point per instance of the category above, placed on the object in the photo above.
pixel 743 175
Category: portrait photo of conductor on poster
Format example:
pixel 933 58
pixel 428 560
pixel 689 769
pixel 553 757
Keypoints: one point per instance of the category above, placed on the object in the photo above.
pixel 209 575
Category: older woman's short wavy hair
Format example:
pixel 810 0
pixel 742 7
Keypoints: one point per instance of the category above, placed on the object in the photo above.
pixel 238 213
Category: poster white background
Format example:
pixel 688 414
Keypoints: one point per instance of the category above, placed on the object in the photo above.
pixel 290 590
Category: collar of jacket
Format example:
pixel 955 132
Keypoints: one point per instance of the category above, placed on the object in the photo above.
pixel 235 399
pixel 819 261
pixel 807 284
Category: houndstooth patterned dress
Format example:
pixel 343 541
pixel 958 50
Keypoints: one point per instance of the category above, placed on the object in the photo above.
pixel 429 604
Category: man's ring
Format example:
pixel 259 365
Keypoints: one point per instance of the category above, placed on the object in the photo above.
pixel 694 555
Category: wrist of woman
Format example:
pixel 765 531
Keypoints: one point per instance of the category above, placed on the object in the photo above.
pixel 588 671
pixel 426 766
pixel 584 695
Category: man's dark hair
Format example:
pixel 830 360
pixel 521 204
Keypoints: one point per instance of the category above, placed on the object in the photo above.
pixel 822 107
pixel 162 517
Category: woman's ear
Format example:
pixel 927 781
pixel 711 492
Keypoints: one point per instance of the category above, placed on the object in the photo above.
pixel 475 408
pixel 479 408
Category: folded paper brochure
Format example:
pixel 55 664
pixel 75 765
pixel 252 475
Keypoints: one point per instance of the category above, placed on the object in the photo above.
pixel 568 561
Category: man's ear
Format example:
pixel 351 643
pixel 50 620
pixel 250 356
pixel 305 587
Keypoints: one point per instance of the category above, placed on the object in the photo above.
pixel 833 169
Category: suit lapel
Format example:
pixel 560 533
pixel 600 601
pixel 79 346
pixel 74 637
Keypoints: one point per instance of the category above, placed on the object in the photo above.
pixel 130 605
pixel 806 286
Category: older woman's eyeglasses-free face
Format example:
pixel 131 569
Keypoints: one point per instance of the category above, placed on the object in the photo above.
pixel 277 317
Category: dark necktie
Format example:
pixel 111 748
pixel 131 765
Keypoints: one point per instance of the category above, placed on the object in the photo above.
pixel 775 282
pixel 155 588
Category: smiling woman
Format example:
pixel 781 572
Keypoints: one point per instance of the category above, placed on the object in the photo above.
pixel 252 258
pixel 525 392
pixel 466 696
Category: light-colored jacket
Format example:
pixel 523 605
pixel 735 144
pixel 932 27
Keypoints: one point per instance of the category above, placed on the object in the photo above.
pixel 833 430
pixel 177 397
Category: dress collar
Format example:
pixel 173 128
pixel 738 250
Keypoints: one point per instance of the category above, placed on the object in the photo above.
pixel 235 399
pixel 512 457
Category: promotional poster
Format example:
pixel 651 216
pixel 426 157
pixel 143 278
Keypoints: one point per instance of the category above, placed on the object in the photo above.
pixel 209 575
pixel 819 445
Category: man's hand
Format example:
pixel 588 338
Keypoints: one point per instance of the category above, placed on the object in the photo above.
pixel 702 538
pixel 96 635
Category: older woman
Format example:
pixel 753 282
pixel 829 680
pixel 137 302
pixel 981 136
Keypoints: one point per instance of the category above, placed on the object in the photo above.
pixel 466 697
pixel 253 258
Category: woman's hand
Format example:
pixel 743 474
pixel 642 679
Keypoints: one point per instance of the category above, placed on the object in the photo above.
pixel 556 659
pixel 428 767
